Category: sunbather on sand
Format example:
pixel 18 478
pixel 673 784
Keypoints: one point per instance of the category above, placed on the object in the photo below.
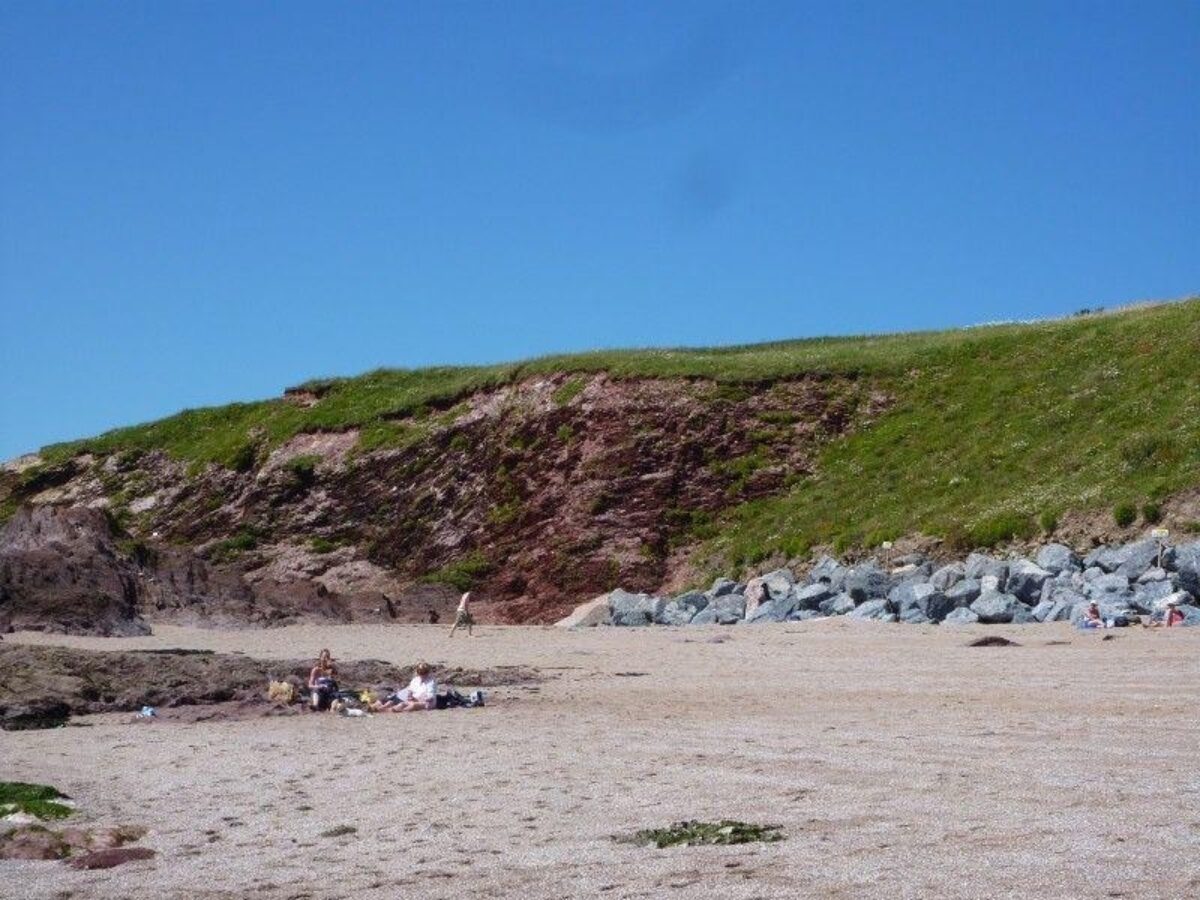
pixel 1172 617
pixel 420 695
pixel 322 681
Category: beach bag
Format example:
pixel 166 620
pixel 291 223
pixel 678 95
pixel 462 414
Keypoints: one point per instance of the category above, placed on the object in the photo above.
pixel 323 693
pixel 281 692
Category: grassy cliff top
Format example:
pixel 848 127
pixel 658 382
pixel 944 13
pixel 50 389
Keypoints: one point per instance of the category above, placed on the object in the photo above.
pixel 993 429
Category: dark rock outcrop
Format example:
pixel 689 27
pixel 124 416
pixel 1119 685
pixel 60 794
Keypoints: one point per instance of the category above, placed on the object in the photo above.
pixel 60 570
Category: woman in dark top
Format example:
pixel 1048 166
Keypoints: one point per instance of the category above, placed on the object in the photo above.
pixel 322 681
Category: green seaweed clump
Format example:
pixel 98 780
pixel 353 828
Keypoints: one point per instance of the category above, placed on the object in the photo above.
pixel 693 833
pixel 33 799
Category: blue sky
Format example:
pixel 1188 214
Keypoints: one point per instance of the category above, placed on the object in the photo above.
pixel 203 202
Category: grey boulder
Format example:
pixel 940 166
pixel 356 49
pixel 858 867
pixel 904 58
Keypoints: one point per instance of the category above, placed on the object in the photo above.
pixel 1058 606
pixel 867 583
pixel 813 596
pixel 682 609
pixel 1058 558
pixel 978 565
pixel 961 616
pixel 994 607
pixel 635 609
pixel 824 570
pixel 1146 597
pixel 965 592
pixel 914 616
pixel 837 605
pixel 772 610
pixel 1136 558
pixel 948 576
pixel 932 604
pixel 722 587
pixel 1025 580
pixel 728 609
pixel 1187 564
pixel 879 609
pixel 774 585
pixel 1109 587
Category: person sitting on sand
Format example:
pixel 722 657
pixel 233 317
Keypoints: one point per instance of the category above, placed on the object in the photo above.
pixel 463 616
pixel 420 695
pixel 322 682
pixel 1171 617
pixel 1091 617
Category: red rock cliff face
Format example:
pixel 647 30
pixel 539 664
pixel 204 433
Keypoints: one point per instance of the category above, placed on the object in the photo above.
pixel 538 495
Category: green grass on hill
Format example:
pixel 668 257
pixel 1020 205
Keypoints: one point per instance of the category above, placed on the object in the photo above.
pixel 998 432
pixel 995 430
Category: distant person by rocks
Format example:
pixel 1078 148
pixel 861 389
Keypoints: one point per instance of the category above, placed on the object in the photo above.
pixel 1091 617
pixel 434 618
pixel 322 681
pixel 1172 617
pixel 420 695
pixel 462 617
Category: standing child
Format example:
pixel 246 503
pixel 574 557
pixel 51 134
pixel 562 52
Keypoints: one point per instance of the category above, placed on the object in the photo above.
pixel 463 615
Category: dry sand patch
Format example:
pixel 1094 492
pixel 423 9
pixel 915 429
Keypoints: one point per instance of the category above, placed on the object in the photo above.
pixel 899 761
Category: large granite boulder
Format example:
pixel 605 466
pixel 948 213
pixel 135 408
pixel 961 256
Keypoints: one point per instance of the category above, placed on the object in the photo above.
pixel 994 607
pixel 1136 558
pixel 965 592
pixel 961 616
pixel 948 576
pixel 1057 606
pixel 878 609
pixel 837 605
pixel 813 596
pixel 772 610
pixel 867 582
pixel 824 571
pixel 932 604
pixel 1025 580
pixel 1107 558
pixel 1057 558
pixel 728 609
pixel 631 610
pixel 1109 588
pixel 913 615
pixel 723 586
pixel 1187 566
pixel 979 565
pixel 682 609
pixel 775 585
pixel 1145 597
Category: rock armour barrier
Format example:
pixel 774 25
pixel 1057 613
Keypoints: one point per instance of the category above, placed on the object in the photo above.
pixel 1135 581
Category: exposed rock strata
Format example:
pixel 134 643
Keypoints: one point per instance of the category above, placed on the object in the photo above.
pixel 534 494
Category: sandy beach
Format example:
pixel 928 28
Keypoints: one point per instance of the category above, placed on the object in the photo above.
pixel 899 761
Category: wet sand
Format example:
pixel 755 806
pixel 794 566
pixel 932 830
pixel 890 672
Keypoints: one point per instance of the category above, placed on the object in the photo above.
pixel 899 761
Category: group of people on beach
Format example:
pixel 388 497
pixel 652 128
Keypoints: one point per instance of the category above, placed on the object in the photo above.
pixel 421 693
pixel 1093 619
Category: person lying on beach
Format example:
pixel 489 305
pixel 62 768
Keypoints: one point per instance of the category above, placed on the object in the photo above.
pixel 322 681
pixel 420 695
pixel 462 617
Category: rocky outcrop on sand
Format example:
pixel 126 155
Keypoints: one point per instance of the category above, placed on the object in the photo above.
pixel 45 685
pixel 74 570
pixel 61 568
pixel 1132 581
